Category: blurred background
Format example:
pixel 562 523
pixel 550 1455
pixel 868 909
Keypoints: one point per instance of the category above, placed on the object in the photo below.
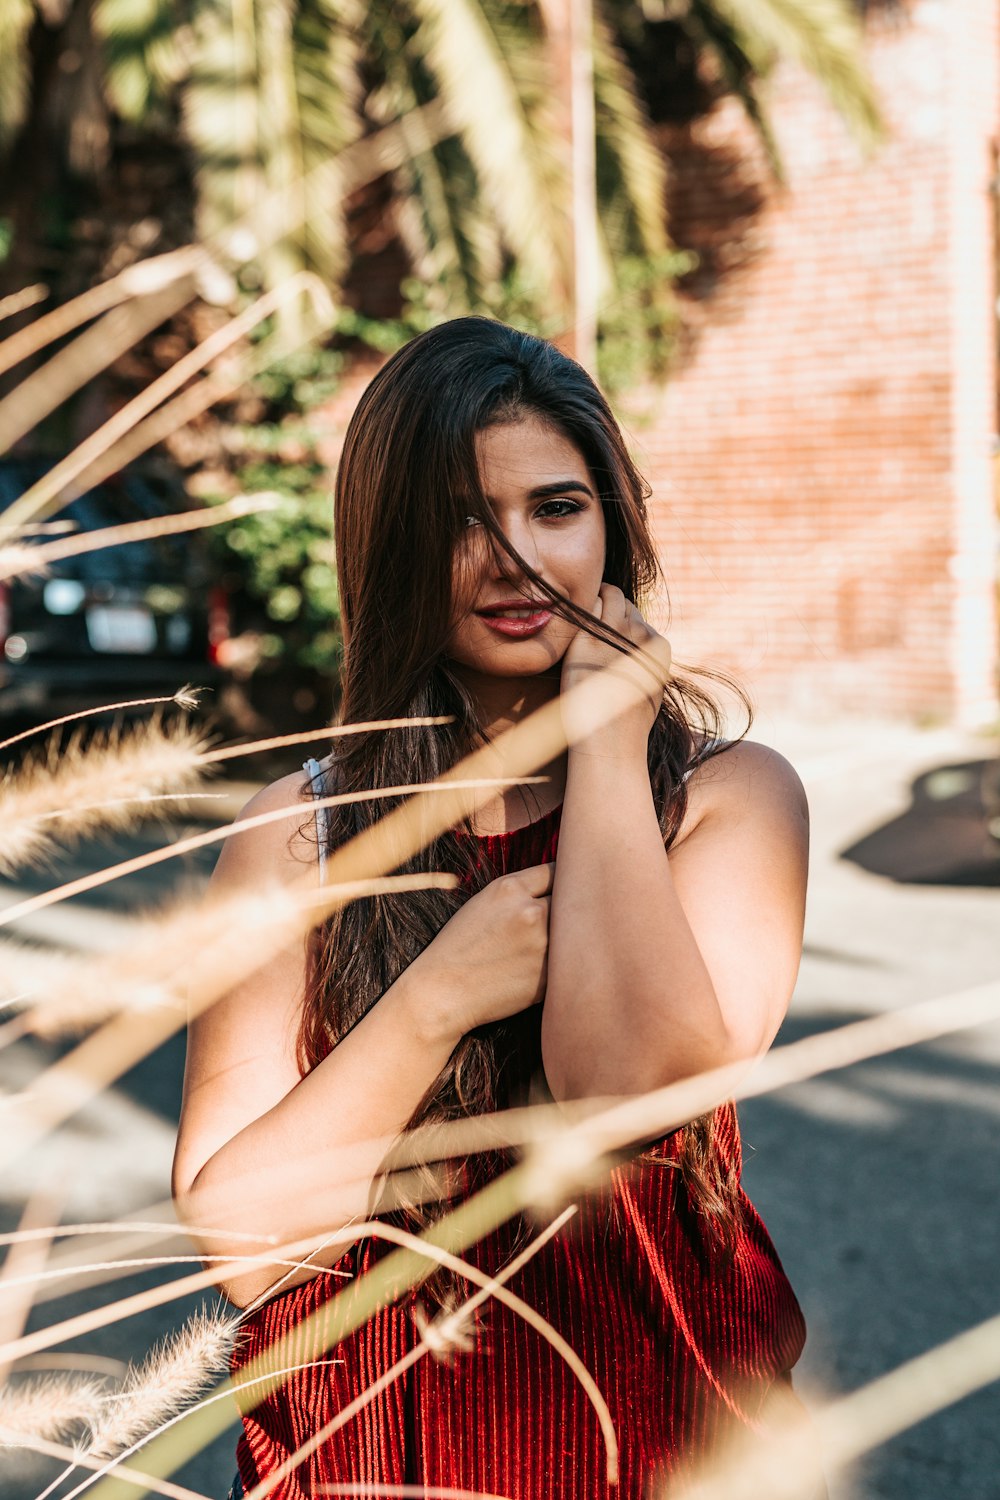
pixel 770 229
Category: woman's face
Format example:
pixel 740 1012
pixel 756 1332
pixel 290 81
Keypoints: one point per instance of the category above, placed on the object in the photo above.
pixel 545 501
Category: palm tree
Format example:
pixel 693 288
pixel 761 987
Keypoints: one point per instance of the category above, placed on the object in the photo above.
pixel 268 92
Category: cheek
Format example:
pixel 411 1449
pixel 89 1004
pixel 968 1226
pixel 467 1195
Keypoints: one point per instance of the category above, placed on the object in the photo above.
pixel 464 585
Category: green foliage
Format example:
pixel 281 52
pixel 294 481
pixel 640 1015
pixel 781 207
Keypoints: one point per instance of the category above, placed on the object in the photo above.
pixel 284 556
pixel 637 329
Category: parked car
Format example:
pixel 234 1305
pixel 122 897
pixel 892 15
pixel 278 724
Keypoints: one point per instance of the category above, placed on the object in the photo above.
pixel 135 620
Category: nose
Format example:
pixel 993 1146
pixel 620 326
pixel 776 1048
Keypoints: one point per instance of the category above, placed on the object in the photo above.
pixel 523 538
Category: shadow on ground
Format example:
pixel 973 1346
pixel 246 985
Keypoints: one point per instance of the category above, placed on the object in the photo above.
pixel 877 1184
pixel 944 837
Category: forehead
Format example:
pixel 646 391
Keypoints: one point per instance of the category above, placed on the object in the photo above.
pixel 516 456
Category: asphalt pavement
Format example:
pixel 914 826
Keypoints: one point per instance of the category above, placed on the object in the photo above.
pixel 878 1182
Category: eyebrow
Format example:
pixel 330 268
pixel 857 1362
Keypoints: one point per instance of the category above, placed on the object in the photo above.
pixel 555 487
pixel 558 487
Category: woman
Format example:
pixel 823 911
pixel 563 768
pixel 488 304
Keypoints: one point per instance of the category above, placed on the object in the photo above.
pixel 493 550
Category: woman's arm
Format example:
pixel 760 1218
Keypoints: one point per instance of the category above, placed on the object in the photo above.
pixel 665 965
pixel 662 966
pixel 253 1133
pixel 267 1156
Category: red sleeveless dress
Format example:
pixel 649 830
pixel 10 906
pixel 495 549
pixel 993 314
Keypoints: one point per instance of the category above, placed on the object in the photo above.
pixel 684 1339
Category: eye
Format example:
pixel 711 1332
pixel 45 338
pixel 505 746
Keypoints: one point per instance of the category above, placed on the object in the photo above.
pixel 569 508
pixel 473 521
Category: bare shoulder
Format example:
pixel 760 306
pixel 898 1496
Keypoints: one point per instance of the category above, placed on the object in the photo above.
pixel 746 781
pixel 278 839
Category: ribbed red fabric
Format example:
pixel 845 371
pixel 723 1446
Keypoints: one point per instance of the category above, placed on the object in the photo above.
pixel 684 1339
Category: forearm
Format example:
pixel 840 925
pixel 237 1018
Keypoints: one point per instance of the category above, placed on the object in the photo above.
pixel 629 1002
pixel 306 1167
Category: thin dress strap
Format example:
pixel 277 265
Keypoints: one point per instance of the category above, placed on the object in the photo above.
pixel 314 771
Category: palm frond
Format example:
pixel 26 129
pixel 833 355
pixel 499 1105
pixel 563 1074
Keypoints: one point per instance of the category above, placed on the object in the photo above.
pixel 823 36
pixel 272 96
pixel 326 100
pixel 631 171
pixel 487 71
pixel 453 242
pixel 712 33
pixel 145 51
pixel 16 17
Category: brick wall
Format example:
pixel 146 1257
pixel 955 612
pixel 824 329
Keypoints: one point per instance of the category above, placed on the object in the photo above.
pixel 821 459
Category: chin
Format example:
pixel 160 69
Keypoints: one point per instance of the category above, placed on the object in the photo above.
pixel 523 662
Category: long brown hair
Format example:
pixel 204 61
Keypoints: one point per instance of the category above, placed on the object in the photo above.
pixel 408 478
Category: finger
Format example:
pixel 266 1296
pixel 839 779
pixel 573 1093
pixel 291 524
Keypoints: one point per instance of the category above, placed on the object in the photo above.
pixel 538 878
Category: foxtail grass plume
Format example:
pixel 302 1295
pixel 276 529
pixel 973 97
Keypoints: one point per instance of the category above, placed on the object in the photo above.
pixel 63 793
pixel 174 1373
pixel 185 697
pixel 190 951
pixel 29 974
pixel 49 1406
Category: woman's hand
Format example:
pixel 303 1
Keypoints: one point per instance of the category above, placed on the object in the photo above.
pixel 635 691
pixel 489 960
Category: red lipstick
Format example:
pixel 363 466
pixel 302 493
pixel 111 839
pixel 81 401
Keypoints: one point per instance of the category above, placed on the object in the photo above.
pixel 531 616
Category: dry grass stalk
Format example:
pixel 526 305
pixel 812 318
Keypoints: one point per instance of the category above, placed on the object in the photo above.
pixel 77 363
pixel 533 742
pixel 331 732
pixel 784 1466
pixel 94 1272
pixel 405 1492
pixel 455 1232
pixel 362 161
pixel 390 1278
pixel 168 961
pixel 17 560
pixel 235 243
pixel 172 1375
pixel 87 1364
pixel 453 1321
pixel 65 792
pixel 432 809
pixel 219 835
pixel 517 1187
pixel 853 1425
pixel 942 1028
pixel 221 1395
pixel 220 384
pixel 40 499
pixel 185 697
pixel 155 1228
pixel 16 302
pixel 49 1406
pixel 21 1269
pixel 233 953
pixel 443 1329
pixel 135 281
pixel 123 1472
pixel 442 1334
pixel 912 1028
